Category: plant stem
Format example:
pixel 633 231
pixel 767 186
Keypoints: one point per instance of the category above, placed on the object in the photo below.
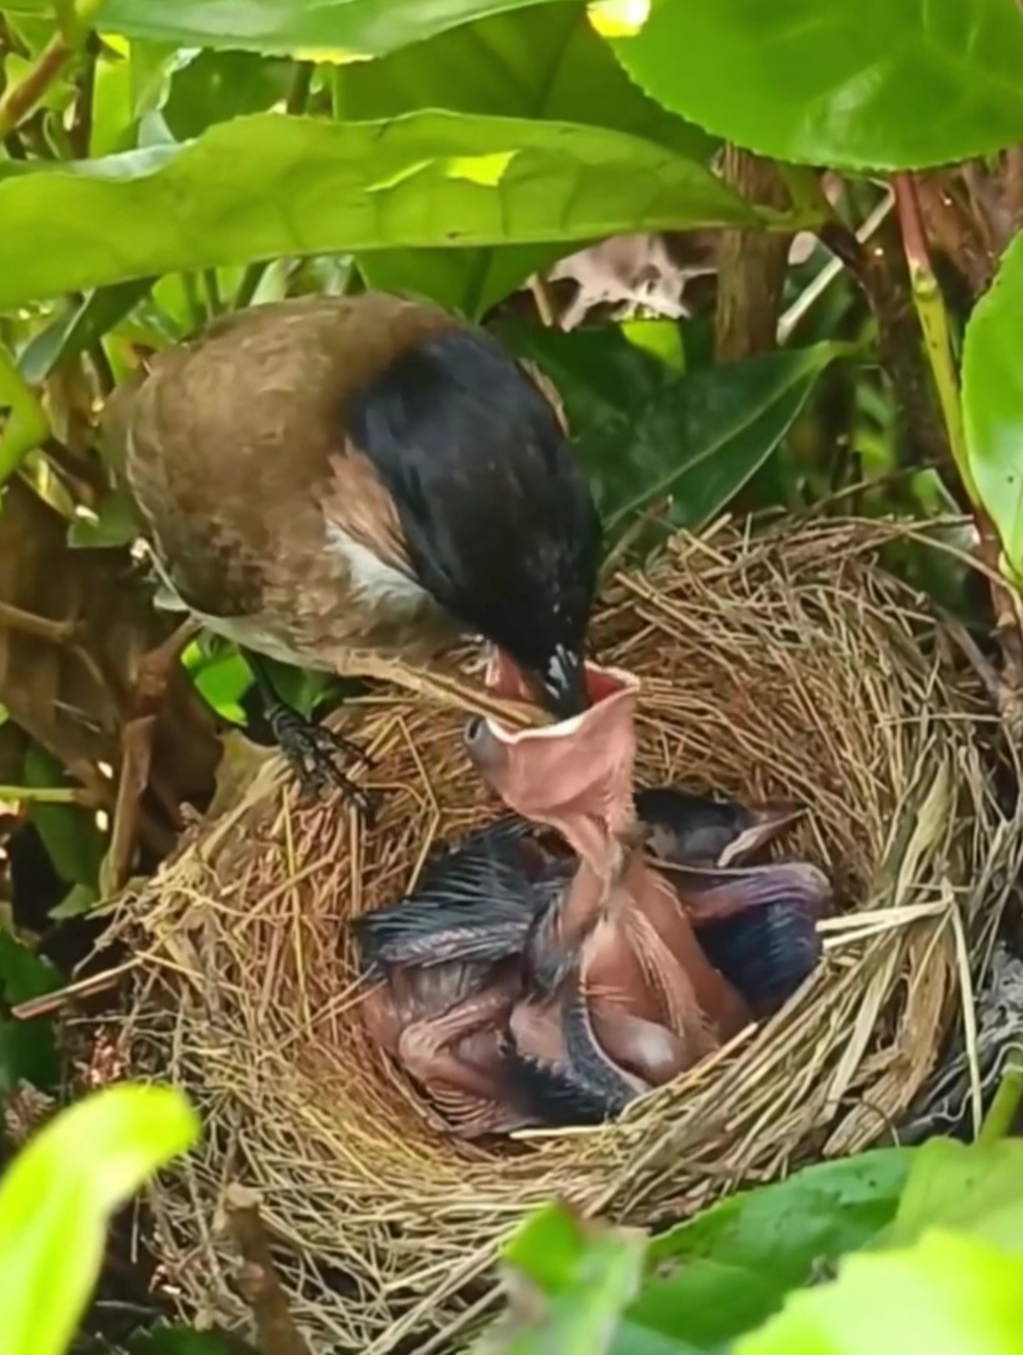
pixel 1008 1098
pixel 196 313
pixel 930 307
pixel 47 795
pixel 17 101
pixel 211 286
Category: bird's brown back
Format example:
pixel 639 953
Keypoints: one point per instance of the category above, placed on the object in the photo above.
pixel 230 444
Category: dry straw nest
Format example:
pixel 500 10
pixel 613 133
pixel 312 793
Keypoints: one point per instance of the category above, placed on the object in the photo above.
pixel 786 663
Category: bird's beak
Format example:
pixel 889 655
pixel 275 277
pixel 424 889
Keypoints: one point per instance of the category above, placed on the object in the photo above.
pixel 561 688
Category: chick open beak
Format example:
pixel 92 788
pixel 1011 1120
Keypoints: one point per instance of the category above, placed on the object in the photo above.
pixel 576 775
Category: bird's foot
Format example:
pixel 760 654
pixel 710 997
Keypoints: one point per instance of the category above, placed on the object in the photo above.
pixel 314 753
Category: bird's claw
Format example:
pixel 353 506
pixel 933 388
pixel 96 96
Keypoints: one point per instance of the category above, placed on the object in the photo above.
pixel 314 753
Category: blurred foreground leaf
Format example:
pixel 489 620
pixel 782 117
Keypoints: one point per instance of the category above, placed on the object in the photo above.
pixel 430 178
pixel 167 1340
pixel 973 1189
pixel 328 29
pixel 57 1195
pixel 874 85
pixel 583 1275
pixel 726 1270
pixel 948 1295
pixel 993 402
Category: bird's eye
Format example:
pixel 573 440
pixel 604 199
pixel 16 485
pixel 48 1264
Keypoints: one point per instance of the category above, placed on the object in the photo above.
pixel 473 729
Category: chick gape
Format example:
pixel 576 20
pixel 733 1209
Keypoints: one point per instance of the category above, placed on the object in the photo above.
pixel 576 776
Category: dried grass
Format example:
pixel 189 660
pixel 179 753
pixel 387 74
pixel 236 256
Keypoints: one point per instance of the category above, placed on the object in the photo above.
pixel 786 664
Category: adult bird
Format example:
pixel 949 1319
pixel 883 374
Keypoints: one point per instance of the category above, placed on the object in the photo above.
pixel 333 474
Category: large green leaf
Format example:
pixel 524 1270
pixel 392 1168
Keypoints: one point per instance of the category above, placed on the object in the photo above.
pixel 426 179
pixel 57 1195
pixel 993 401
pixel 948 1295
pixel 972 1189
pixel 544 63
pixel 876 84
pixel 725 1271
pixel 694 439
pixel 329 29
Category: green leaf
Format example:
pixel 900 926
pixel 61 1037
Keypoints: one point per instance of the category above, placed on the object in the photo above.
pixel 993 401
pixel 325 29
pixel 113 524
pixel 25 424
pixel 694 438
pixel 723 1272
pixel 78 901
pixel 426 179
pixel 601 372
pixel 28 1049
pixel 223 680
pixel 215 86
pixel 587 1274
pixel 167 1340
pixel 80 327
pixel 113 123
pixel 68 832
pixel 947 1296
pixel 546 63
pixel 872 85
pixel 57 1195
pixel 971 1189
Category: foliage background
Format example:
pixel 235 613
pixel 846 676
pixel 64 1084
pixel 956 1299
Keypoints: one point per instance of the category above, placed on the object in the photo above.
pixel 812 302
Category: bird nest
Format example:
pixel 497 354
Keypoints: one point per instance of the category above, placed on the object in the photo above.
pixel 785 664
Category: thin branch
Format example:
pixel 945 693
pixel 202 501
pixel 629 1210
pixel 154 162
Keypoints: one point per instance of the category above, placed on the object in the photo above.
pixel 18 100
pixel 277 1333
pixel 807 299
pixel 80 131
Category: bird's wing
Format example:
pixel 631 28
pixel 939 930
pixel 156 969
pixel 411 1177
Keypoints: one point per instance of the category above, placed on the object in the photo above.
pixel 474 903
pixel 229 443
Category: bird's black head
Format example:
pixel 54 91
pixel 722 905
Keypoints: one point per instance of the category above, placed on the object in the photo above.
pixel 498 518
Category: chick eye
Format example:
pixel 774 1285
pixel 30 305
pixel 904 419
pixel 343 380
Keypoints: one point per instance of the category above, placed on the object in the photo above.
pixel 473 729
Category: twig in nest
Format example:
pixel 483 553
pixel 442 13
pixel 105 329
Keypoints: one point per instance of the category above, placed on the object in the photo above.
pixel 258 1282
pixel 49 1003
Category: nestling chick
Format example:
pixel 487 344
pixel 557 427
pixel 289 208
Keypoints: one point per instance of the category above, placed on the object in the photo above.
pixel 334 474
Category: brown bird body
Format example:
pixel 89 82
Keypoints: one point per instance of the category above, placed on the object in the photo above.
pixel 235 451
pixel 334 475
